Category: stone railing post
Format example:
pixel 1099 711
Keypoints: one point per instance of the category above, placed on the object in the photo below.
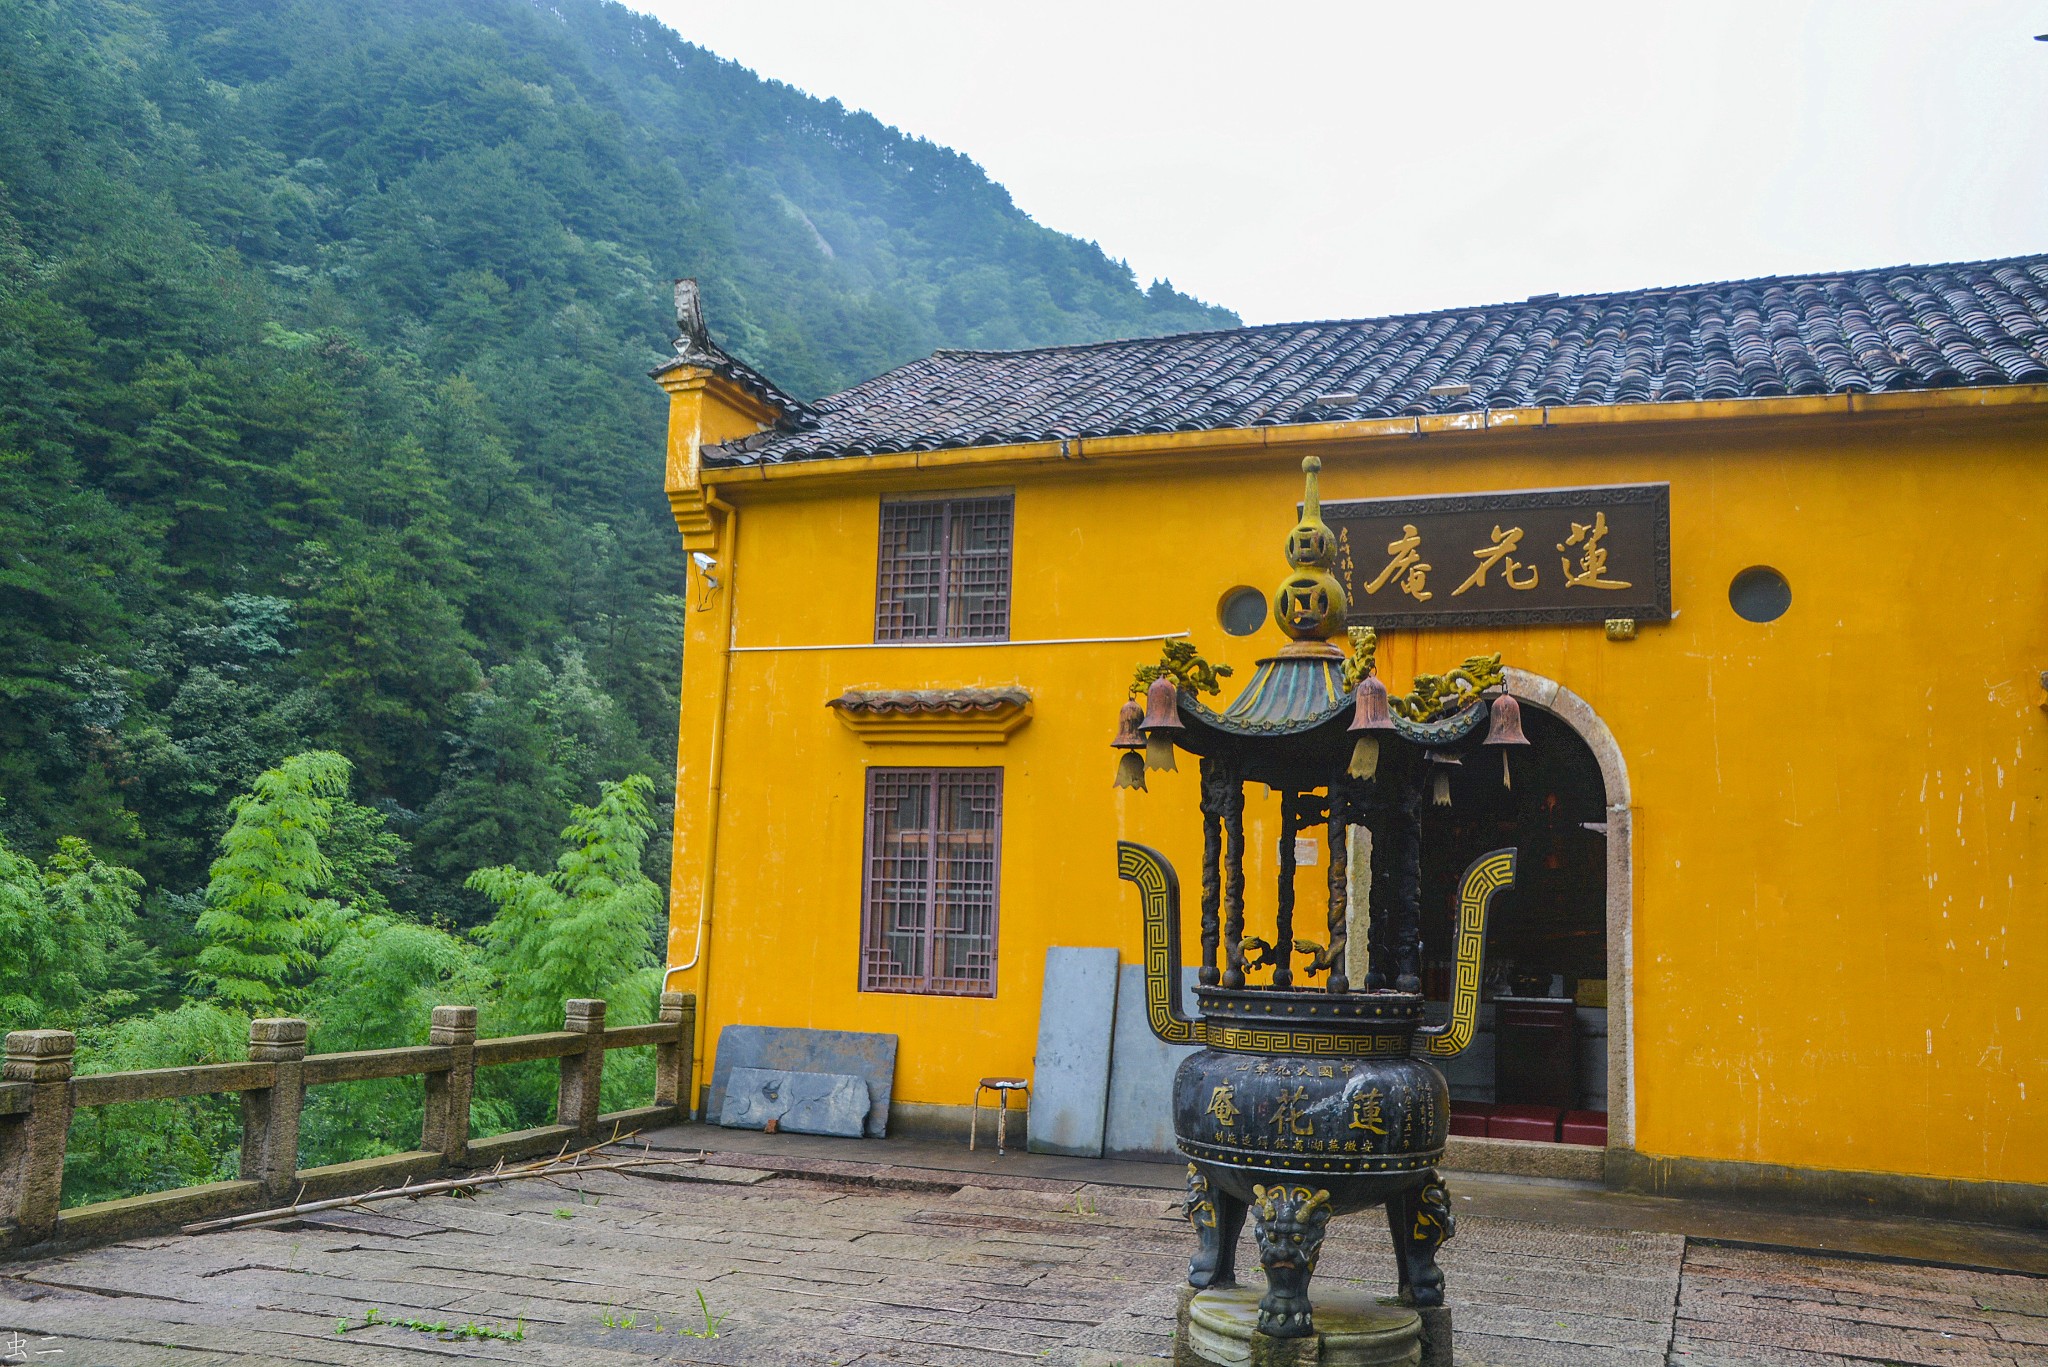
pixel 32 1145
pixel 576 1102
pixel 270 1115
pixel 446 1131
pixel 672 1061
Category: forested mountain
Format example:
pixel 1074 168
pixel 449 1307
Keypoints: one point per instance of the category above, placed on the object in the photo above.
pixel 324 418
pixel 337 589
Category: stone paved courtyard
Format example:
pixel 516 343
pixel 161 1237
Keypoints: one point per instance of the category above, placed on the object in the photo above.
pixel 813 1261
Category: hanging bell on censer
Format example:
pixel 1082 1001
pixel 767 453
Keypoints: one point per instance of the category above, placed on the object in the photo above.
pixel 1505 728
pixel 1130 767
pixel 1370 715
pixel 1162 718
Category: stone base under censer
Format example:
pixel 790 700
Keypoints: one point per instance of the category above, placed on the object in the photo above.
pixel 1219 1328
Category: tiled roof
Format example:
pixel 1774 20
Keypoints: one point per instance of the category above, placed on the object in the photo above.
pixel 1912 327
pixel 730 368
pixel 925 700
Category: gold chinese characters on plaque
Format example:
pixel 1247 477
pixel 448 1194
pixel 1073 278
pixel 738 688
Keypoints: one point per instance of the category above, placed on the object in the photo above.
pixel 1504 559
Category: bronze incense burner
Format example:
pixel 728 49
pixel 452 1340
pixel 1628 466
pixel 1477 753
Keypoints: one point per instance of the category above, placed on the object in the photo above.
pixel 1312 1101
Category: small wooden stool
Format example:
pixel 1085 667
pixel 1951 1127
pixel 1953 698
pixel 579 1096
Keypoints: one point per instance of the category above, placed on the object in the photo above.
pixel 1002 1087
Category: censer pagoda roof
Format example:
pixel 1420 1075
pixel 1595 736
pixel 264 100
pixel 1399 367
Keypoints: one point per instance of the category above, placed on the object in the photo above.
pixel 1290 688
pixel 1291 724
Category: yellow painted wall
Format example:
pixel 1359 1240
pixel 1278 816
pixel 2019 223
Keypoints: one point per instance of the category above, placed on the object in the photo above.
pixel 1839 938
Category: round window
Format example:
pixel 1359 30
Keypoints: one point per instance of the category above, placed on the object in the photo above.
pixel 1242 611
pixel 1759 594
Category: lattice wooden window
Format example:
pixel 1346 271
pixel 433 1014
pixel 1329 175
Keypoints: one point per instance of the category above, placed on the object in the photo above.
pixel 928 909
pixel 944 569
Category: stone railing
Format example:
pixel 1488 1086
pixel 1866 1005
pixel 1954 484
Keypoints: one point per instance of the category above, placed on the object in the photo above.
pixel 39 1094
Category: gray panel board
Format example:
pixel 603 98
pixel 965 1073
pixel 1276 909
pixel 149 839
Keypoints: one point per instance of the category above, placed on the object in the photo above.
pixel 870 1057
pixel 798 1103
pixel 1470 1073
pixel 1141 1069
pixel 1070 1075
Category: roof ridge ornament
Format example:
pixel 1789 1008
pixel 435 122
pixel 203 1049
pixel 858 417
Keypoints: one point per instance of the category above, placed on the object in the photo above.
pixel 694 349
pixel 692 335
pixel 1309 605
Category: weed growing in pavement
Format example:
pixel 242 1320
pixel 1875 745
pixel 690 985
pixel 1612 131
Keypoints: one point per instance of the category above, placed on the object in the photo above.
pixel 473 1330
pixel 470 1330
pixel 611 1317
pixel 711 1322
pixel 564 1213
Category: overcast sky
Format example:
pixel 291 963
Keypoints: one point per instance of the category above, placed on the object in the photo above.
pixel 1294 160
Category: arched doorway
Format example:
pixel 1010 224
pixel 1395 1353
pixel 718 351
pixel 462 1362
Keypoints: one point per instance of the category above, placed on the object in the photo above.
pixel 1553 1047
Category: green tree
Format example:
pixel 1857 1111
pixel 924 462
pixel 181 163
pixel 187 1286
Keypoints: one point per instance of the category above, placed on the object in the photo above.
pixel 154 1145
pixel 66 938
pixel 293 920
pixel 533 741
pixel 378 981
pixel 215 702
pixel 262 902
pixel 586 930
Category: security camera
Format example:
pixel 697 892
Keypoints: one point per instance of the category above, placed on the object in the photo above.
pixel 705 564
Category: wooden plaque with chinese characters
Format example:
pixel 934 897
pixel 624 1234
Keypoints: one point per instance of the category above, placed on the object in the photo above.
pixel 1506 559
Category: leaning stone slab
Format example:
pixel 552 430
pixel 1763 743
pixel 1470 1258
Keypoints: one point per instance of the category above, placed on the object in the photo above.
pixel 1141 1068
pixel 1070 1072
pixel 871 1057
pixel 800 1103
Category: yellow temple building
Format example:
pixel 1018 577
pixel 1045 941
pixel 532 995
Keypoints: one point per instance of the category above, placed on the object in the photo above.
pixel 1764 561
